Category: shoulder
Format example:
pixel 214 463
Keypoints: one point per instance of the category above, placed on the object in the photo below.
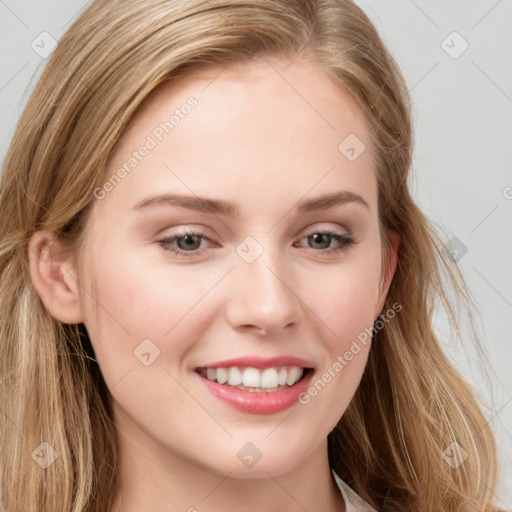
pixel 353 502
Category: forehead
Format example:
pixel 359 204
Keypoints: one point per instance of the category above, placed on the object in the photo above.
pixel 272 127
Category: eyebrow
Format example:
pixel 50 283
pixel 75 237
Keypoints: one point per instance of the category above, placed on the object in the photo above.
pixel 221 207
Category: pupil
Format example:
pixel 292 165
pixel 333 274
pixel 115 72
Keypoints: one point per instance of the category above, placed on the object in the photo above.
pixel 190 240
pixel 317 238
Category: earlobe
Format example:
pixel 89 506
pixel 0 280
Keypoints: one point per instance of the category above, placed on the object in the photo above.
pixel 390 267
pixel 53 277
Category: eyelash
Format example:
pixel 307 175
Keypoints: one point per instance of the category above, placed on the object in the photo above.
pixel 345 240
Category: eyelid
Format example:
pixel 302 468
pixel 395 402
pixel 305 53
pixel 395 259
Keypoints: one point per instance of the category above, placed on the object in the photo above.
pixel 311 230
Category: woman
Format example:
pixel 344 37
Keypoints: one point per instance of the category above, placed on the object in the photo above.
pixel 218 287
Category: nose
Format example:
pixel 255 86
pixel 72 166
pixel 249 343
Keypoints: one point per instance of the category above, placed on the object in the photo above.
pixel 263 297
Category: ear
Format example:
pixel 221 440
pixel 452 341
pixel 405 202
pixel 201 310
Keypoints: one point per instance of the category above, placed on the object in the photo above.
pixel 389 269
pixel 54 278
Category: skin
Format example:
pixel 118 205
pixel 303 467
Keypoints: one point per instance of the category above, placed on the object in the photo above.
pixel 264 136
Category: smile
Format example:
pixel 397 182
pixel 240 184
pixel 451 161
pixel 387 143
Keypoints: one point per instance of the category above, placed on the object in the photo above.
pixel 264 393
pixel 253 379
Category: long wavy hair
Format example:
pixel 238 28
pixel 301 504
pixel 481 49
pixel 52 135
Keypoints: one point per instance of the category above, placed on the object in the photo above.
pixel 412 403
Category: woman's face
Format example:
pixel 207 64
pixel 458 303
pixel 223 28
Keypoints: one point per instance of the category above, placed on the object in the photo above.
pixel 255 162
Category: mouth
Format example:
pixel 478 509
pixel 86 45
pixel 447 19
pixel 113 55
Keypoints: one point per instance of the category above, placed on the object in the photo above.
pixel 256 380
pixel 257 391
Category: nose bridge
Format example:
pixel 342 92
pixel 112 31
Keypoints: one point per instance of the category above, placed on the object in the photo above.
pixel 263 292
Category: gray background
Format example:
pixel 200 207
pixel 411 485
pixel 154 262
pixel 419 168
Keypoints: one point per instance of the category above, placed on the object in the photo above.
pixel 463 154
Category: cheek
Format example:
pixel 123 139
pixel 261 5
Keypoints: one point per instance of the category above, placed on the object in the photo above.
pixel 345 298
pixel 134 299
pixel 344 301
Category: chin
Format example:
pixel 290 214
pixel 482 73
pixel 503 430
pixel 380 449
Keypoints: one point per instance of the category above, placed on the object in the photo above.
pixel 251 460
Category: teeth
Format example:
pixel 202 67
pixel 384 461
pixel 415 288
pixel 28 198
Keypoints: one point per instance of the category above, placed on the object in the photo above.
pixel 269 378
pixel 293 375
pixel 253 379
pixel 234 376
pixel 222 375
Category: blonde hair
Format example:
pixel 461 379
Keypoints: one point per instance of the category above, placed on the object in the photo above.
pixel 411 404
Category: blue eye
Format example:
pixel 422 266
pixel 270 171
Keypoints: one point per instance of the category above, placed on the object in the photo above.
pixel 189 244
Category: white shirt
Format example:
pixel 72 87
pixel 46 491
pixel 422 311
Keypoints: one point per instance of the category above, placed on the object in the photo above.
pixel 353 502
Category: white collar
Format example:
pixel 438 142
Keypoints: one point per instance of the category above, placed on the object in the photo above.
pixel 353 502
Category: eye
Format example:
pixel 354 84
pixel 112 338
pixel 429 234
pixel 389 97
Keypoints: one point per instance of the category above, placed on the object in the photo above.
pixel 186 244
pixel 189 244
pixel 322 240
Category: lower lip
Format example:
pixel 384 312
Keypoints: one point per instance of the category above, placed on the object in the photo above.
pixel 258 402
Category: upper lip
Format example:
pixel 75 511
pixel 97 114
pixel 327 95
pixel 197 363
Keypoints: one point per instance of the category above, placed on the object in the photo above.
pixel 260 362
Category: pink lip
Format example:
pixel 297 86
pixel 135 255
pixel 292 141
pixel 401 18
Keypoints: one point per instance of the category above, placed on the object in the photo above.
pixel 260 362
pixel 258 402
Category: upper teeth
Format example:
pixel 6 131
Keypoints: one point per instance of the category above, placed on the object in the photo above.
pixel 253 377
